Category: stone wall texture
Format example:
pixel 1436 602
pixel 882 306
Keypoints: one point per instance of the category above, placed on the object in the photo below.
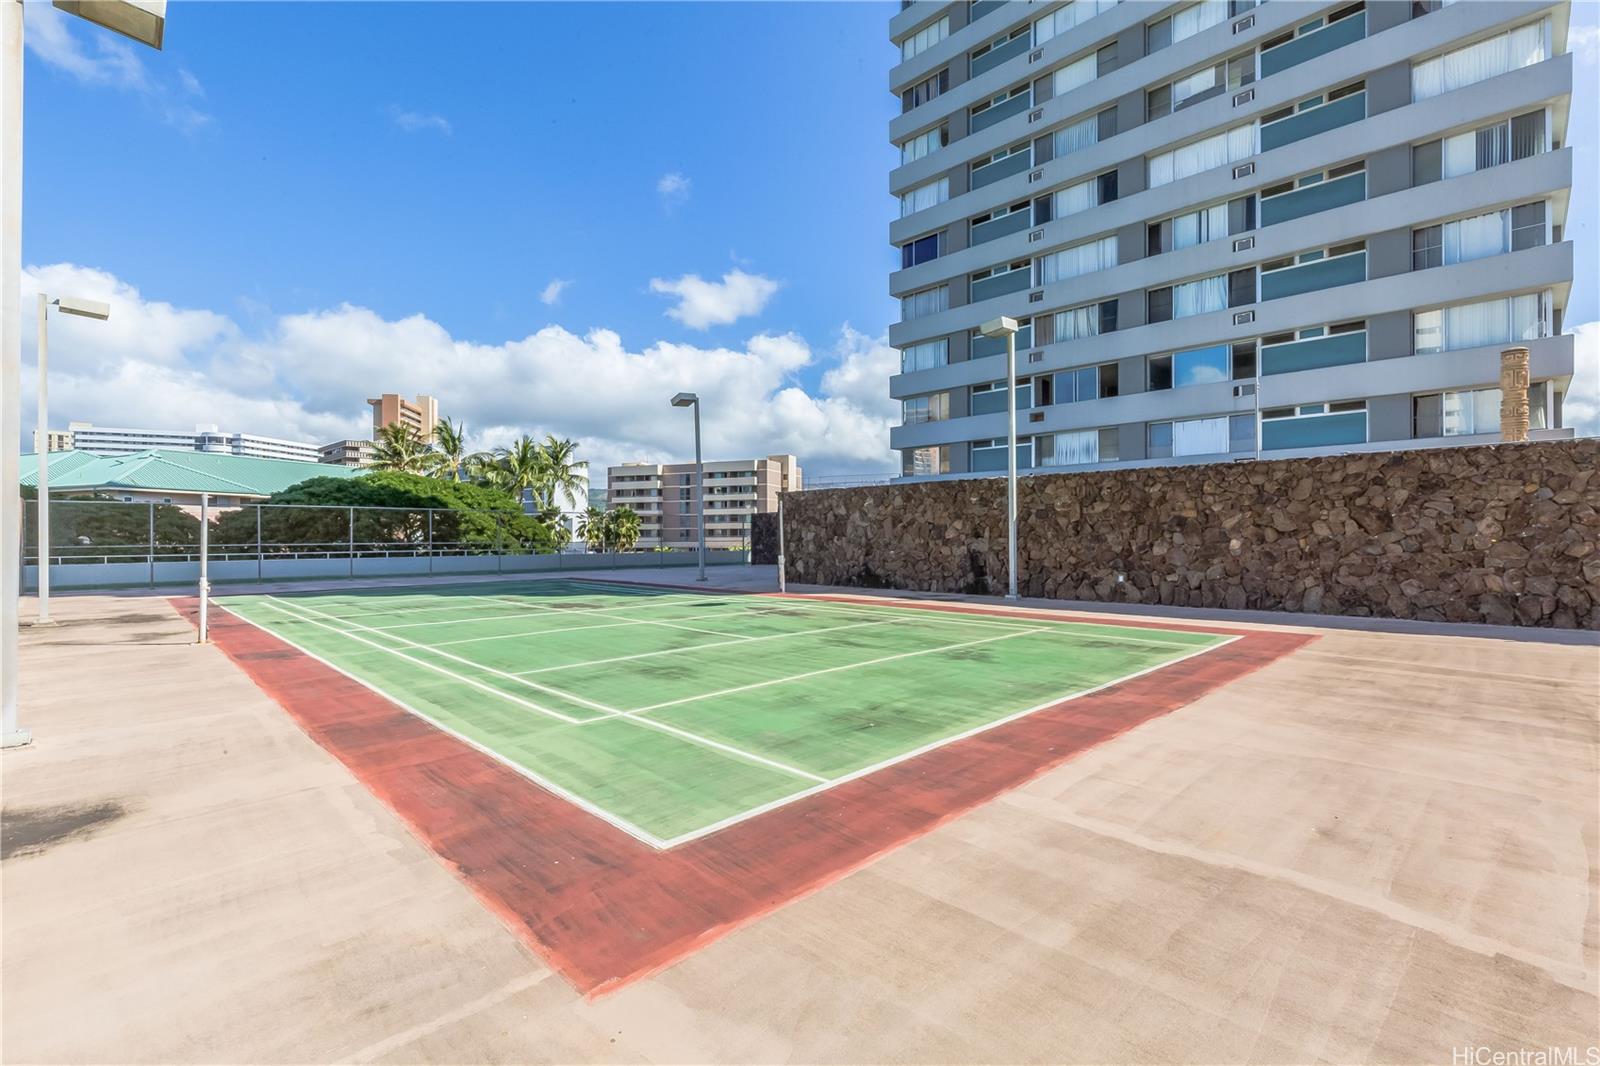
pixel 1506 534
pixel 764 538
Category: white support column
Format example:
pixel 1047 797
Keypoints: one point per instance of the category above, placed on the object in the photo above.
pixel 42 433
pixel 205 553
pixel 11 734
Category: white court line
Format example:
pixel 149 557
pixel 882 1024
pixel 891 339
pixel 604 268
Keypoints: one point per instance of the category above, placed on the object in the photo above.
pixel 742 816
pixel 828 670
pixel 409 658
pixel 713 644
pixel 548 690
pixel 608 712
pixel 624 607
pixel 561 629
pixel 1059 624
pixel 638 833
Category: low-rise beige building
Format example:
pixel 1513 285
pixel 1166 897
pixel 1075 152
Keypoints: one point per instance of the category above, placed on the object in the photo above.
pixel 346 453
pixel 664 497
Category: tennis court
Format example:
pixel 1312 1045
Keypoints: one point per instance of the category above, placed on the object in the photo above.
pixel 674 714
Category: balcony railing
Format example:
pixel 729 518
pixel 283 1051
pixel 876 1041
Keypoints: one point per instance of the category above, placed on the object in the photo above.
pixel 1309 123
pixel 995 56
pixel 999 227
pixel 1336 350
pixel 1324 195
pixel 1015 163
pixel 1001 284
pixel 1317 274
pixel 998 113
pixel 1311 45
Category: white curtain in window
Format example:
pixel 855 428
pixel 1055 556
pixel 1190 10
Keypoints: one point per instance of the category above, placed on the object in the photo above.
pixel 924 356
pixel 1200 436
pixel 924 196
pixel 1215 151
pixel 925 38
pixel 1529 319
pixel 1079 260
pixel 1191 20
pixel 1476 62
pixel 1198 227
pixel 1073 75
pixel 1064 18
pixel 927 302
pixel 1200 297
pixel 1427 332
pixel 919 146
pixel 1460 155
pixel 1075 198
pixel 1198 82
pixel 1474 238
pixel 1078 322
pixel 1455 410
pixel 1076 137
pixel 1475 325
pixel 1075 449
pixel 1486 411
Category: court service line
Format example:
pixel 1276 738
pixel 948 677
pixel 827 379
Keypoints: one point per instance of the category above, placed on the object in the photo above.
pixel 623 607
pixel 400 654
pixel 638 833
pixel 567 629
pixel 601 707
pixel 713 644
pixel 828 670
pixel 781 801
pixel 1060 624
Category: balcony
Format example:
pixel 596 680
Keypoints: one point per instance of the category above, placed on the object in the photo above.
pixel 1318 431
pixel 1309 123
pixel 995 228
pixel 1317 274
pixel 982 8
pixel 1311 45
pixel 995 56
pixel 1001 284
pixel 1323 196
pixel 982 120
pixel 989 173
pixel 1337 350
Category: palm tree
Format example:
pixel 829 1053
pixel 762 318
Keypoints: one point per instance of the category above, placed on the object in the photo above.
pixel 622 525
pixel 450 446
pixel 521 467
pixel 560 474
pixel 400 447
pixel 592 528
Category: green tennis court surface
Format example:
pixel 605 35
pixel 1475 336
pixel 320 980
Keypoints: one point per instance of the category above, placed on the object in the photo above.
pixel 672 714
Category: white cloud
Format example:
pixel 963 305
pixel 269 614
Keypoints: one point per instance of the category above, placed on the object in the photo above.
pixel 416 121
pixel 703 304
pixel 1581 409
pixel 551 294
pixel 1584 43
pixel 674 189
pixel 306 376
pixel 111 62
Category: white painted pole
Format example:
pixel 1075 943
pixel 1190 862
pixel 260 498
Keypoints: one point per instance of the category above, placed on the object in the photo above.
pixel 1011 462
pixel 11 734
pixel 783 585
pixel 42 505
pixel 205 551
pixel 700 490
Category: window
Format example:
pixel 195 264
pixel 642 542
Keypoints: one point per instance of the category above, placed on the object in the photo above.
pixel 1196 297
pixel 1076 137
pixel 1077 448
pixel 1090 320
pixel 1076 261
pixel 981 347
pixel 1007 211
pixel 1188 229
pixel 925 38
pixel 1010 94
pixel 1199 436
pixel 1185 24
pixel 921 250
pixel 1488 146
pixel 1075 198
pixel 1158 304
pixel 1497 55
pixel 1479 236
pixel 1086 383
pixel 924 144
pixel 990 455
pixel 919 462
pixel 924 196
pixel 924 356
pixel 1313 26
pixel 1242 287
pixel 1004 153
pixel 926 302
pixel 1077 73
pixel 1230 74
pixel 1212 152
pixel 1427 247
pixel 1067 16
pixel 927 89
pixel 1528 226
pixel 991 398
pixel 1305 181
pixel 932 408
pixel 1313 425
pixel 1477 325
pixel 1202 366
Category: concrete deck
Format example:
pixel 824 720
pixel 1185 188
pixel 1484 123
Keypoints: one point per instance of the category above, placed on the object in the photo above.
pixel 1380 849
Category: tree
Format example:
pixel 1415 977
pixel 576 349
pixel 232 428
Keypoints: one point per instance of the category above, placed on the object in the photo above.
pixel 521 465
pixel 400 447
pixel 561 477
pixel 622 527
pixel 592 528
pixel 450 446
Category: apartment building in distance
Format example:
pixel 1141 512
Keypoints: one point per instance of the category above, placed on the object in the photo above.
pixel 354 453
pixel 663 496
pixel 1226 229
pixel 54 440
pixel 421 414
pixel 108 440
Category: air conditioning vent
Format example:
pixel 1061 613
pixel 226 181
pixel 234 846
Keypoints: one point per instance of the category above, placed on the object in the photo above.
pixel 1036 55
pixel 1244 244
pixel 1035 115
pixel 1035 416
pixel 1035 236
pixel 1035 357
pixel 1244 170
pixel 1037 175
pixel 1036 297
pixel 1243 318
pixel 1240 99
pixel 1245 23
pixel 1245 390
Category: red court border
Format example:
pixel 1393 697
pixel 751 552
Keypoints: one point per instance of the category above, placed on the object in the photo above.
pixel 605 909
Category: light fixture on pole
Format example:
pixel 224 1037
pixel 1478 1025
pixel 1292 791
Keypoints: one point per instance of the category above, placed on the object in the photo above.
pixel 1007 328
pixel 143 21
pixel 689 399
pixel 68 306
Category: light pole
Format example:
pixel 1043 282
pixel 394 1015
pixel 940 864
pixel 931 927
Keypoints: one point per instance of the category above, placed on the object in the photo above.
pixel 1007 328
pixel 68 306
pixel 142 20
pixel 689 399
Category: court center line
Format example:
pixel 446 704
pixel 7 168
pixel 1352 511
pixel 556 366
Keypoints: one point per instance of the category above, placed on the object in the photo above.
pixel 562 629
pixel 713 644
pixel 409 658
pixel 548 690
pixel 828 670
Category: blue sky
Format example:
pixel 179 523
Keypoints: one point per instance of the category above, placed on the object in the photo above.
pixel 550 215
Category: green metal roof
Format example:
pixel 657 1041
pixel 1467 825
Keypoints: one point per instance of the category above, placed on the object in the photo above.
pixel 166 470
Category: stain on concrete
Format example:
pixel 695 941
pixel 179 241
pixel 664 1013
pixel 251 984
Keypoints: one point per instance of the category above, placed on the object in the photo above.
pixel 31 830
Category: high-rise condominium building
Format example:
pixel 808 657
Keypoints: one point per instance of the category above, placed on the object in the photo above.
pixel 1226 228
pixel 347 453
pixel 664 497
pixel 107 440
pixel 421 415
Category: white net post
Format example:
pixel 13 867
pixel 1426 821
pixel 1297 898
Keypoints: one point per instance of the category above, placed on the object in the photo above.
pixel 205 585
pixel 783 585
